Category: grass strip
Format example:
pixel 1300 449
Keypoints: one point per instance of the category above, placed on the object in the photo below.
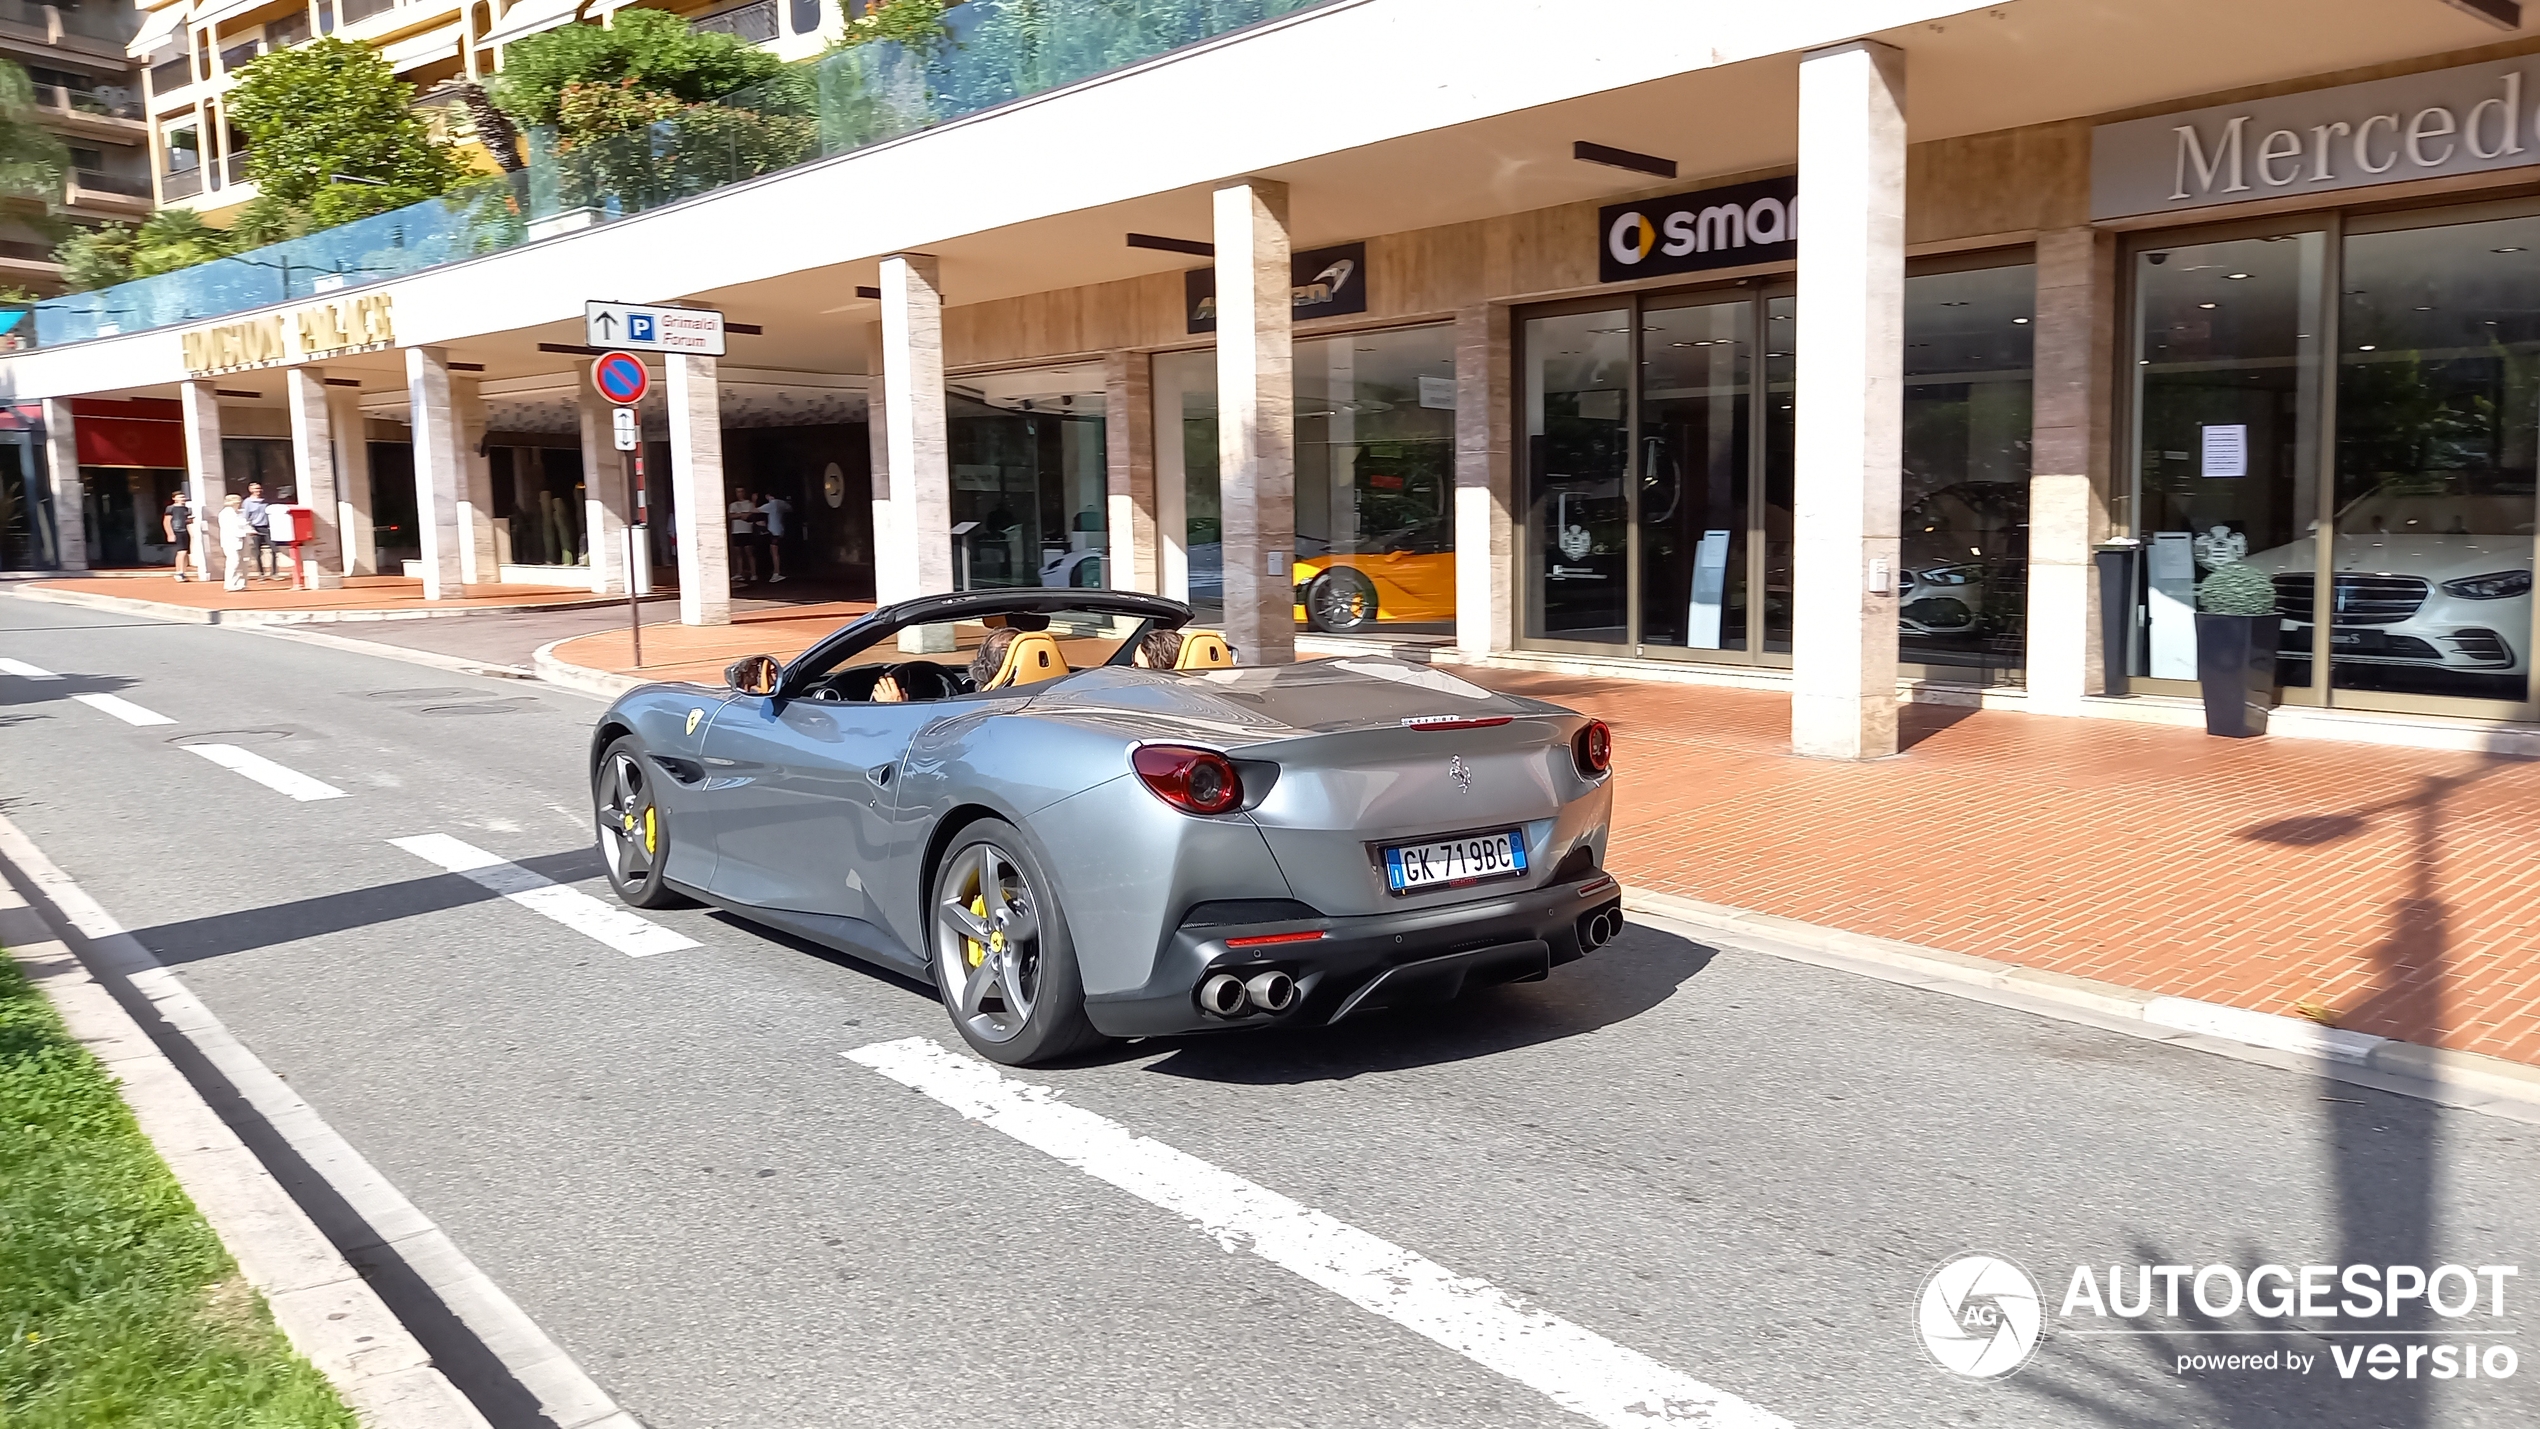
pixel 119 1306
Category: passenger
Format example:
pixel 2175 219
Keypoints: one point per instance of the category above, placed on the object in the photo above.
pixel 984 665
pixel 1158 650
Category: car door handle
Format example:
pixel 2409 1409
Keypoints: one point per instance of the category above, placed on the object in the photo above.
pixel 879 773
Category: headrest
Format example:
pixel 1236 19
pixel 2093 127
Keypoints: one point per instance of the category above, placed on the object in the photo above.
pixel 1204 650
pixel 1033 657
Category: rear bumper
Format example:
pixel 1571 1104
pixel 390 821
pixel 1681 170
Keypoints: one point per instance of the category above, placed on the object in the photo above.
pixel 1361 964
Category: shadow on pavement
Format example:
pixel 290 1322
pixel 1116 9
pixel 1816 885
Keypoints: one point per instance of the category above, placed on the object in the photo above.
pixel 1617 982
pixel 198 939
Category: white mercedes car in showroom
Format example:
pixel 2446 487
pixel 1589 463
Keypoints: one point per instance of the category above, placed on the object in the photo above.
pixel 2435 584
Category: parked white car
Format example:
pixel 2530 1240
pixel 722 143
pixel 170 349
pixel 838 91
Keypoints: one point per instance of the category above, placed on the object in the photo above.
pixel 2432 582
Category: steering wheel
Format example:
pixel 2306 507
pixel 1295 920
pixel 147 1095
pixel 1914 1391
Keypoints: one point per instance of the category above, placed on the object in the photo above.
pixel 922 680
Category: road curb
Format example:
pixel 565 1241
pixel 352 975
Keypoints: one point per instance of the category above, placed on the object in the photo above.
pixel 190 615
pixel 608 685
pixel 322 1305
pixel 2468 1080
pixel 264 1166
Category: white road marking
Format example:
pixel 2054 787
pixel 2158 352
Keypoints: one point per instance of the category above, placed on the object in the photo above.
pixel 634 936
pixel 264 771
pixel 1575 1368
pixel 25 671
pixel 123 709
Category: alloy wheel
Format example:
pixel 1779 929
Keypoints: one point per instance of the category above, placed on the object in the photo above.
pixel 988 942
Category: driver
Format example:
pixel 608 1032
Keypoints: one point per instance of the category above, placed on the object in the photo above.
pixel 983 668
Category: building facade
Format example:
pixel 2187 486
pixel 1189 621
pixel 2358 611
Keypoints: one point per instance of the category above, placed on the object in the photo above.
pixel 89 94
pixel 1875 352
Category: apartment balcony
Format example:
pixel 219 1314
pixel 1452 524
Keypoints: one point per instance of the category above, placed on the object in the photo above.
pixel 97 28
pixel 27 263
pixel 170 76
pixel 184 185
pixel 104 112
pixel 119 194
pixel 753 24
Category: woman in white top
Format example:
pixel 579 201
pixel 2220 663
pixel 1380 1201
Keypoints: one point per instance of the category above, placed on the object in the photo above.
pixel 234 532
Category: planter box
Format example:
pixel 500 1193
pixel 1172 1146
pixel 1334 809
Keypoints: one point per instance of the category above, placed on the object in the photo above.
pixel 2235 664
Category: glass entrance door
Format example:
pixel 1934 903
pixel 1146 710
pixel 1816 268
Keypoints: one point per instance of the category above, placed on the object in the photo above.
pixel 1693 474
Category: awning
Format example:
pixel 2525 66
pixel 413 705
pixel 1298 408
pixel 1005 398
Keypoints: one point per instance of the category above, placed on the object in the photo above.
pixel 156 27
pixel 529 17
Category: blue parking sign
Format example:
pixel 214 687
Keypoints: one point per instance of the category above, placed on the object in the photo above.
pixel 639 327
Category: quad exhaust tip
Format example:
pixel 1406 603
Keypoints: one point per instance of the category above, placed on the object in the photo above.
pixel 1272 991
pixel 1600 929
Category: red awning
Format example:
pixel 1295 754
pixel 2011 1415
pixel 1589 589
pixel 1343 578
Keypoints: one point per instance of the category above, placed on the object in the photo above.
pixel 145 431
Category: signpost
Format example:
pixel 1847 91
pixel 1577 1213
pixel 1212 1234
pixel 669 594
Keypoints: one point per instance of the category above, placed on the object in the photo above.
pixel 652 327
pixel 621 378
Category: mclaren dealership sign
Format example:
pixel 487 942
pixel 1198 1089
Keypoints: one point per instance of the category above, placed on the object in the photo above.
pixel 1691 233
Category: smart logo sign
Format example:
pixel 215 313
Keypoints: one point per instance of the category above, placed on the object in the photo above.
pixel 1982 1317
pixel 1690 233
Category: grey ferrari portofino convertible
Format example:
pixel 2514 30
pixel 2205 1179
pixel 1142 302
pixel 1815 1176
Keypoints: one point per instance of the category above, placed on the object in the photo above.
pixel 1079 819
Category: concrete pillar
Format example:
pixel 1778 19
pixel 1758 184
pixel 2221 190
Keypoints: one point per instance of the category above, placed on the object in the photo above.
pixel 606 505
pixel 696 480
pixel 1485 513
pixel 1850 417
pixel 1128 434
pixel 2068 471
pixel 356 535
pixel 204 473
pixel 61 470
pixel 479 555
pixel 440 474
pixel 915 444
pixel 1256 418
pixel 313 475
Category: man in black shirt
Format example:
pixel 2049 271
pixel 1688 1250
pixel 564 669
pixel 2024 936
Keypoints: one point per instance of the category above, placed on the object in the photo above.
pixel 177 522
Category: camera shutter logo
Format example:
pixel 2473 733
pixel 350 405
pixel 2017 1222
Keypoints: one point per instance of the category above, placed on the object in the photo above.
pixel 1979 1316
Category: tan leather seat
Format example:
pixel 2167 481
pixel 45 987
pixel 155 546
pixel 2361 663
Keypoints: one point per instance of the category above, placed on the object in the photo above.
pixel 1032 658
pixel 1204 650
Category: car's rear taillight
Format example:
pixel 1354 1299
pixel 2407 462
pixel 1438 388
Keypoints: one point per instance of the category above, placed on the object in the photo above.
pixel 1195 781
pixel 1593 748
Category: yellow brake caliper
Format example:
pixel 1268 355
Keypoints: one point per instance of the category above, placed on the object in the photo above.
pixel 974 950
pixel 652 834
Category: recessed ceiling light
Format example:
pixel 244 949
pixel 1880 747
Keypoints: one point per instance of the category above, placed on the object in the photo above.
pixel 2423 308
pixel 2022 321
pixel 2235 277
pixel 2209 305
pixel 2369 347
pixel 1959 304
pixel 2516 249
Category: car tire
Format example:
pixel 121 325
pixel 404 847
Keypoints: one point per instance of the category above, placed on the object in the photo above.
pixel 1340 601
pixel 998 943
pixel 634 833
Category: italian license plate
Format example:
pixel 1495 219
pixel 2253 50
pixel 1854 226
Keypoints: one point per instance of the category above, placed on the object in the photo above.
pixel 1409 868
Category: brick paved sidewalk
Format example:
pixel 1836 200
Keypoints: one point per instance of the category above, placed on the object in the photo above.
pixel 2394 891
pixel 362 593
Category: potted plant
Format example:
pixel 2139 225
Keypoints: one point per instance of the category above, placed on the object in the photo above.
pixel 2237 631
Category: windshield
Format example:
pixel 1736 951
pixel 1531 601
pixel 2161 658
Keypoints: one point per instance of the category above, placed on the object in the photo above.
pixel 980 655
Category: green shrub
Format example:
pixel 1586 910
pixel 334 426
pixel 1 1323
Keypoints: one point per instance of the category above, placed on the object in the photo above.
pixel 2236 589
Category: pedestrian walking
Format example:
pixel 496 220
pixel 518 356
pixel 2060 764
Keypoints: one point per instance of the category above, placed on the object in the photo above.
pixel 259 529
pixel 772 513
pixel 236 534
pixel 177 523
pixel 744 522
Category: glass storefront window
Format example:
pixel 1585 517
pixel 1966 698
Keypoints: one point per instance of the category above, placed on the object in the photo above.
pixel 1660 483
pixel 1962 583
pixel 1028 477
pixel 1578 443
pixel 2226 363
pixel 2438 415
pixel 1186 522
pixel 2418 459
pixel 1375 481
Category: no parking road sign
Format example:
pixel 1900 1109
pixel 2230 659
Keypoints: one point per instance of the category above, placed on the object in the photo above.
pixel 621 378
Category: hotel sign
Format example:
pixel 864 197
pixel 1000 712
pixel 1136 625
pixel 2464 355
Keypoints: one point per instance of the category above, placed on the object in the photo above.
pixel 332 329
pixel 2468 120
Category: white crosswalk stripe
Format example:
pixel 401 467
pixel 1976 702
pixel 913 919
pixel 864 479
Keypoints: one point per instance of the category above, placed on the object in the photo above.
pixel 123 709
pixel 276 777
pixel 634 936
pixel 25 671
pixel 1573 1367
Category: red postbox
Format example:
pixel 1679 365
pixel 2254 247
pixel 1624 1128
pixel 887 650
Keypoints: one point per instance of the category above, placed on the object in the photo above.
pixel 293 527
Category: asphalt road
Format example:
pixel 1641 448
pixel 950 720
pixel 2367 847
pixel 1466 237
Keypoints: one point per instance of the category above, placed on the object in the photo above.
pixel 1742 1168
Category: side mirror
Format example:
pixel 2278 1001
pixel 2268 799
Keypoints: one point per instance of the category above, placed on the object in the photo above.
pixel 753 675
